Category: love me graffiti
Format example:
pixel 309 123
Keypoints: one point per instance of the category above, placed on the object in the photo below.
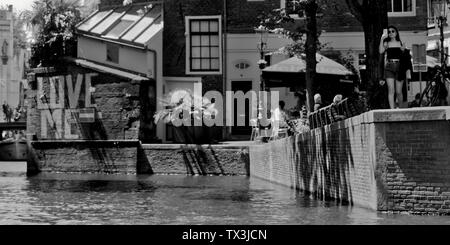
pixel 57 109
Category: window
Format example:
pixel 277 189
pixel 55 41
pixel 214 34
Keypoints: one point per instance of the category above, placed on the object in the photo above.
pixel 401 8
pixel 434 9
pixel 112 53
pixel 292 8
pixel 204 45
pixel 242 65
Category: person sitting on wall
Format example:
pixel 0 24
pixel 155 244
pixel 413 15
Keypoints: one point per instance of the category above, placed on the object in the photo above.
pixel 334 110
pixel 317 102
pixel 415 102
pixel 16 114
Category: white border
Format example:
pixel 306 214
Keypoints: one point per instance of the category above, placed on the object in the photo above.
pixel 404 14
pixel 188 45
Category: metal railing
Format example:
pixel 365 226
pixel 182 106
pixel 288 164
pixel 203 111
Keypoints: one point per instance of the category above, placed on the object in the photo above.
pixel 347 108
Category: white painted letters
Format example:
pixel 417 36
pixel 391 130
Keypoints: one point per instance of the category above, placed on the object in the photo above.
pixel 54 102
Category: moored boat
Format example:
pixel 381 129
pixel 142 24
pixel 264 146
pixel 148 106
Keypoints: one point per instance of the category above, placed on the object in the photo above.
pixel 13 150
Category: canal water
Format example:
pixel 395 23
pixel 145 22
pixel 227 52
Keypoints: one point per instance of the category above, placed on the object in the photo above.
pixel 159 200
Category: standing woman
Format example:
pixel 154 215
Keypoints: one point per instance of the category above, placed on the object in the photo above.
pixel 393 48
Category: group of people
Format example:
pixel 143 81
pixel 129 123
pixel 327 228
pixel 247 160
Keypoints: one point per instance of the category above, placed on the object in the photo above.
pixel 13 115
pixel 396 69
pixel 336 114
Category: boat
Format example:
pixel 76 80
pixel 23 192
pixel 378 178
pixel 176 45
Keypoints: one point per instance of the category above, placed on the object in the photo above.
pixel 13 143
pixel 13 150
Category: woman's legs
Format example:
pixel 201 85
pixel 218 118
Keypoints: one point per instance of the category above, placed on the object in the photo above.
pixel 399 93
pixel 391 91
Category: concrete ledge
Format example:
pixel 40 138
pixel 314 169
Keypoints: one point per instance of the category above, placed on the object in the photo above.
pixel 394 116
pixel 89 143
pixel 408 115
pixel 181 146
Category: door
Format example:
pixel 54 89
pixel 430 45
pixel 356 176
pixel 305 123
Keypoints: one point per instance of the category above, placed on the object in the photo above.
pixel 246 130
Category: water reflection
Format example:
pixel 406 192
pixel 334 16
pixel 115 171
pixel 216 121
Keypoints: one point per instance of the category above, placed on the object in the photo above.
pixel 93 199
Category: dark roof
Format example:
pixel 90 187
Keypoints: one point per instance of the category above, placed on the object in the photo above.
pixel 133 24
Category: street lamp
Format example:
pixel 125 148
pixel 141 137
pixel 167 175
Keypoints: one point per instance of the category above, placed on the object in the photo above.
pixel 262 47
pixel 263 36
pixel 441 22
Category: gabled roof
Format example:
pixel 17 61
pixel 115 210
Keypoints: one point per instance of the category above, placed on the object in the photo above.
pixel 133 24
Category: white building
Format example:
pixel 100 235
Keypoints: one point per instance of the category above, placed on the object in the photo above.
pixel 12 62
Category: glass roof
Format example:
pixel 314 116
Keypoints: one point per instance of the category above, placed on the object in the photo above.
pixel 108 22
pixel 119 28
pixel 125 23
pixel 86 26
pixel 143 24
pixel 150 32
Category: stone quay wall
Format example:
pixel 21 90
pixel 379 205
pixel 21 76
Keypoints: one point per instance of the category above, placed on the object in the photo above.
pixel 100 157
pixel 131 157
pixel 330 162
pixel 198 159
pixel 386 160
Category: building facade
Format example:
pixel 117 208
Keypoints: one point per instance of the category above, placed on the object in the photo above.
pixel 342 32
pixel 213 43
pixel 436 9
pixel 209 43
pixel 12 62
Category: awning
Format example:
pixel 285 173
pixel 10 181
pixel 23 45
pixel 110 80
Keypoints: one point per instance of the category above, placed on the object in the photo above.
pixel 105 69
pixel 298 65
pixel 432 62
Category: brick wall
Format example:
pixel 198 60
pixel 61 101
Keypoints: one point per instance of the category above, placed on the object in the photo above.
pixel 118 101
pixel 393 160
pixel 130 157
pixel 242 14
pixel 241 18
pixel 416 160
pixel 102 157
pixel 197 160
pixel 331 162
pixel 337 18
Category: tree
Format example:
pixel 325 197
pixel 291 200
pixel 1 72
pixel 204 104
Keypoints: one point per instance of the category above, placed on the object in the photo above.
pixel 303 32
pixel 311 49
pixel 54 24
pixel 372 14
